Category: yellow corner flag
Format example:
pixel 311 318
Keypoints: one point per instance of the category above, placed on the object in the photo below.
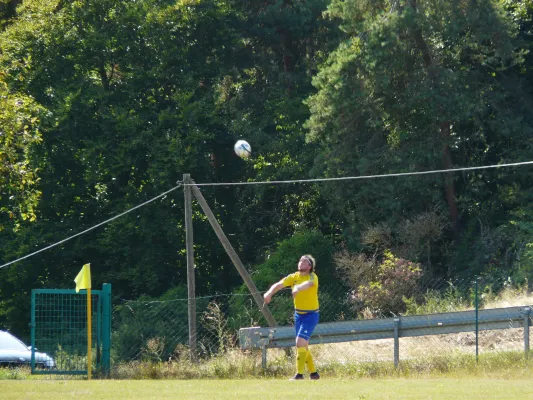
pixel 83 279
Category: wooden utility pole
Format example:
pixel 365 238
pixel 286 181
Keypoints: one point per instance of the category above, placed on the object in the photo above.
pixel 233 255
pixel 190 269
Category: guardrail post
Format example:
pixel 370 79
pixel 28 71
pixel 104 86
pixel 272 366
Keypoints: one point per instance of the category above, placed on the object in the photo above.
pixel 527 312
pixel 264 354
pixel 396 342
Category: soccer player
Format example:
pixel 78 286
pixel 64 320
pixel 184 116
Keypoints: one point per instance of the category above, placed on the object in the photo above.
pixel 304 284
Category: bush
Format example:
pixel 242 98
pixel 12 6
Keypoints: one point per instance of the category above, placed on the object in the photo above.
pixel 393 280
pixel 434 301
pixel 282 262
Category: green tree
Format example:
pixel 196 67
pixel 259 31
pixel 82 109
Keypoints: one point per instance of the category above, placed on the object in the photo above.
pixel 284 42
pixel 19 177
pixel 417 85
pixel 129 91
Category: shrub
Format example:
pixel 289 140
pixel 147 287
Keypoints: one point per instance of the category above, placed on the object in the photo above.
pixel 433 301
pixel 244 310
pixel 391 281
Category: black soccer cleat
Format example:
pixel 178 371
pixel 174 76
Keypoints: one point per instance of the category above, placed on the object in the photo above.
pixel 314 376
pixel 297 377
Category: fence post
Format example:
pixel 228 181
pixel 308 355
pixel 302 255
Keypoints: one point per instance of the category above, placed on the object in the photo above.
pixel 396 342
pixel 527 312
pixel 106 328
pixel 32 326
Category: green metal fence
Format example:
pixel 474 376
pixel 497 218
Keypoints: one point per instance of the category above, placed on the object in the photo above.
pixel 59 331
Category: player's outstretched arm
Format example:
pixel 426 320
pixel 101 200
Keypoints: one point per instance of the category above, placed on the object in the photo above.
pixel 276 287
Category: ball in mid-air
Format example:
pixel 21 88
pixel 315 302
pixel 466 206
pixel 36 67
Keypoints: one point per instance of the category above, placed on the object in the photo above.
pixel 243 149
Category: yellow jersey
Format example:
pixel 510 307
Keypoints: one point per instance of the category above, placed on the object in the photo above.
pixel 307 300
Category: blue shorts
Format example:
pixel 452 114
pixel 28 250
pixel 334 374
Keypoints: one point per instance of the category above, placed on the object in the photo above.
pixel 305 324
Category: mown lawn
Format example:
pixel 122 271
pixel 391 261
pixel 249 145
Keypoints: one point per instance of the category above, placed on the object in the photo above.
pixel 375 389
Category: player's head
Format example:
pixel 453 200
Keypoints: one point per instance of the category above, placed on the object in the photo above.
pixel 307 263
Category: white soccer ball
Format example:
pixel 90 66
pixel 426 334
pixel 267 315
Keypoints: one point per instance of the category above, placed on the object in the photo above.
pixel 243 149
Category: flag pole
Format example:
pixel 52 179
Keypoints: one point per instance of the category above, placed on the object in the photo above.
pixel 89 334
pixel 83 281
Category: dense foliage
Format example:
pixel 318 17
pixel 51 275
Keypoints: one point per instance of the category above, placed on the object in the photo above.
pixel 107 103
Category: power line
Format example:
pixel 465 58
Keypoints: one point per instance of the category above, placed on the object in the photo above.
pixel 350 178
pixel 346 178
pixel 90 229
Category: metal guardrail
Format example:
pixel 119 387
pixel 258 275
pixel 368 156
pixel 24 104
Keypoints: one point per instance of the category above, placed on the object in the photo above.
pixel 392 328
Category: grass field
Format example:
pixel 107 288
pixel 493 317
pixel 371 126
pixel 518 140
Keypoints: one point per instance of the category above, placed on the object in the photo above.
pixel 374 389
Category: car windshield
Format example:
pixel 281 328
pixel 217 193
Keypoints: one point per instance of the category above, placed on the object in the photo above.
pixel 9 342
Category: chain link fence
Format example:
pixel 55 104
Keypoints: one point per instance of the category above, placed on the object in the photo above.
pixel 155 332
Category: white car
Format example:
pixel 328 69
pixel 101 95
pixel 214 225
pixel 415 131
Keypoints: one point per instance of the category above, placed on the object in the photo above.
pixel 14 352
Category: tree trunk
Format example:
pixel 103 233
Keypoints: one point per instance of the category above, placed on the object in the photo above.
pixel 289 55
pixel 449 185
pixel 103 76
pixel 288 51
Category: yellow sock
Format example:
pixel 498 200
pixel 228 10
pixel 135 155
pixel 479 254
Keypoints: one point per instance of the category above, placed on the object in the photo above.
pixel 300 359
pixel 310 363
